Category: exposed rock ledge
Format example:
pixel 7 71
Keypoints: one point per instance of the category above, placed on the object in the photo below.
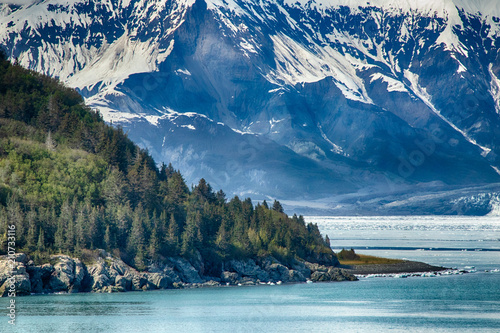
pixel 109 274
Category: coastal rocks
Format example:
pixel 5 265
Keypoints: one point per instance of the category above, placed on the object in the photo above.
pixel 211 283
pixel 106 273
pixel 68 275
pixel 100 275
pixel 110 274
pixel 20 283
pixel 247 268
pixel 187 273
pixel 301 268
pixel 229 277
pixel 267 270
pixel 100 282
pixel 40 277
pixel 279 272
pixel 36 280
pixel 140 282
pixel 123 283
pixel 159 281
pixel 322 273
pixel 13 275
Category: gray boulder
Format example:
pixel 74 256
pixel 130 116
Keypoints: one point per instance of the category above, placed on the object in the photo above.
pixel 169 271
pixel 19 283
pixel 123 283
pixel 160 281
pixel 63 274
pixel 80 274
pixel 230 277
pixel 187 273
pixel 301 268
pixel 119 266
pixel 100 282
pixel 18 268
pixel 332 274
pixel 211 283
pixel 68 275
pixel 139 281
pixel 295 276
pixel 280 272
pixel 98 268
pixel 247 268
pixel 319 276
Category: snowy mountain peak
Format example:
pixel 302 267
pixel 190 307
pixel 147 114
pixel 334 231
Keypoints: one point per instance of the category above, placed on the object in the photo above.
pixel 304 98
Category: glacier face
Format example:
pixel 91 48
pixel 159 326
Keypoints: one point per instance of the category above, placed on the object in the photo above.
pixel 284 98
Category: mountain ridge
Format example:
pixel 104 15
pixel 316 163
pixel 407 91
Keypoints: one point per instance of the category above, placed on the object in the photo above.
pixel 367 96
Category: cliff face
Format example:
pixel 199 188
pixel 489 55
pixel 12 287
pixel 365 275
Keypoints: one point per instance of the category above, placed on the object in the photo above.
pixel 289 99
pixel 109 274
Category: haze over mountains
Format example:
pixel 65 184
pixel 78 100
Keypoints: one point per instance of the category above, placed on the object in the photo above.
pixel 351 106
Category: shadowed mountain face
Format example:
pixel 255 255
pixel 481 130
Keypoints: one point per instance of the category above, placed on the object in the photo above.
pixel 290 99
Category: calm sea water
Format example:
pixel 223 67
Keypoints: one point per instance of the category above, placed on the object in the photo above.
pixel 465 303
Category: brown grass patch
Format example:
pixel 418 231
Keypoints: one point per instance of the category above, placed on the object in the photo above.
pixel 370 260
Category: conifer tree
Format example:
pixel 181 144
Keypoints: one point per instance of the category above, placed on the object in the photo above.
pixel 31 237
pixel 40 245
pixel 173 235
pixel 154 245
pixel 59 236
pixel 277 206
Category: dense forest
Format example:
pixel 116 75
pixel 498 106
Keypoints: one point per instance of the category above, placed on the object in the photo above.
pixel 71 183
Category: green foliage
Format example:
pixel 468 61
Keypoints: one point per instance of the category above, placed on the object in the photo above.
pixel 72 184
pixel 347 255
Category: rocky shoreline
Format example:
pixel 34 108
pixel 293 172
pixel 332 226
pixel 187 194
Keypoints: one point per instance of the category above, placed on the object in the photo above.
pixel 401 267
pixel 109 274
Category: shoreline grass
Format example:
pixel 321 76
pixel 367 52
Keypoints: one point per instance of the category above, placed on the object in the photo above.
pixel 369 260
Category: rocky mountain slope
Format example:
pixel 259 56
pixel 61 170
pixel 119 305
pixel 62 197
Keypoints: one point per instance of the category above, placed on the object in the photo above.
pixel 299 100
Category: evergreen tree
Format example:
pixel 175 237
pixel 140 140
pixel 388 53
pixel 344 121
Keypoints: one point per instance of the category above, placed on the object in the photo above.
pixel 107 238
pixel 80 241
pixel 154 245
pixel 59 236
pixel 173 235
pixel 31 237
pixel 327 241
pixel 116 189
pixel 191 237
pixel 40 245
pixel 277 206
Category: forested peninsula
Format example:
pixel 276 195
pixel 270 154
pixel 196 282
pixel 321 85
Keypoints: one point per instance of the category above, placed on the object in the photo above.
pixel 94 212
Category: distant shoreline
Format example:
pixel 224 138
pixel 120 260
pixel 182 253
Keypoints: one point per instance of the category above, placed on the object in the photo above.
pixel 405 266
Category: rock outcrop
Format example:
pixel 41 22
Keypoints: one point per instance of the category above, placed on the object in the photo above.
pixel 14 276
pixel 321 273
pixel 69 274
pixel 106 273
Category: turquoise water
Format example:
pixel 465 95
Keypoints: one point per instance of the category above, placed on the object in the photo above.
pixel 470 303
pixel 465 303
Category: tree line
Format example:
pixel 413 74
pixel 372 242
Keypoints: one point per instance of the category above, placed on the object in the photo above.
pixel 70 182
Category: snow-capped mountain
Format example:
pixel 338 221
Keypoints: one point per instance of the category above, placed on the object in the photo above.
pixel 292 99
